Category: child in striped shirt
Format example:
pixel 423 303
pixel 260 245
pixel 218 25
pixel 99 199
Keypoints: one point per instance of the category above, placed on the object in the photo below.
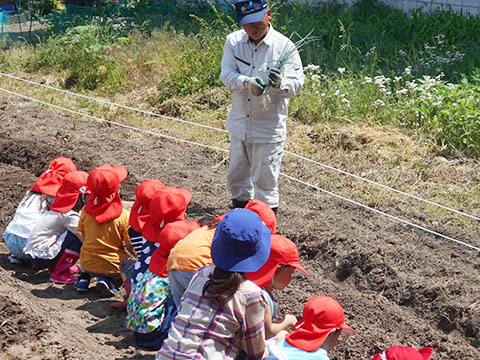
pixel 222 313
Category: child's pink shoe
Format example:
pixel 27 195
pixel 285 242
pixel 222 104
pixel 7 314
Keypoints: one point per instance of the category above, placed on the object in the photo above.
pixel 61 273
pixel 73 269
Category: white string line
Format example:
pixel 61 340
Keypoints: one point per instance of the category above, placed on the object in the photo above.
pixel 112 103
pixel 220 149
pixel 382 213
pixel 223 130
pixel 385 186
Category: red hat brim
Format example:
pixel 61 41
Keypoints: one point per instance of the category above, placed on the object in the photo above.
pixel 64 202
pixel 311 339
pixel 104 210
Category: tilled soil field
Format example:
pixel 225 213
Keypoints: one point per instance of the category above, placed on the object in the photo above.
pixel 398 285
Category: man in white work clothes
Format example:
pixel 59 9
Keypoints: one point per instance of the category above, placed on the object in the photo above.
pixel 263 69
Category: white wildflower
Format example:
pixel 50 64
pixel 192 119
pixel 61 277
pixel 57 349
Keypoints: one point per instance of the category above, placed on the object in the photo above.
pixel 368 80
pixel 341 70
pixel 312 67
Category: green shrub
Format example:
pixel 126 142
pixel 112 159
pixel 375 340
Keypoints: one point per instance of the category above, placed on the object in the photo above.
pixel 81 53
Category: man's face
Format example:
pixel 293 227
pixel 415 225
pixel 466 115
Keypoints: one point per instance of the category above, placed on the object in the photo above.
pixel 257 30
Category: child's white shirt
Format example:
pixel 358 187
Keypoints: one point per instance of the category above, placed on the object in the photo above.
pixel 27 215
pixel 46 239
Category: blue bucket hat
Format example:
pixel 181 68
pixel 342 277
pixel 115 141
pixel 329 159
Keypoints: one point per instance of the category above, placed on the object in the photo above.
pixel 250 11
pixel 241 242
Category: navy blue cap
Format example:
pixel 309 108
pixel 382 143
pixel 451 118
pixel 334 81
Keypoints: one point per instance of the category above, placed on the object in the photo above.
pixel 250 11
pixel 241 242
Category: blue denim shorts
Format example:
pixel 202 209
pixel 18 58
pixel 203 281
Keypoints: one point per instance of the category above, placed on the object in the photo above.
pixel 16 244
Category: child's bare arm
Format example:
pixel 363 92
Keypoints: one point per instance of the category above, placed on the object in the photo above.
pixel 273 328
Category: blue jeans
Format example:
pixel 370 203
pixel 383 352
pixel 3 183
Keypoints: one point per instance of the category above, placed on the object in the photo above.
pixel 16 244
pixel 179 280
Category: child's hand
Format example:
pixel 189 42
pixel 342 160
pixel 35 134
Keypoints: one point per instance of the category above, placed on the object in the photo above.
pixel 290 321
pixel 281 336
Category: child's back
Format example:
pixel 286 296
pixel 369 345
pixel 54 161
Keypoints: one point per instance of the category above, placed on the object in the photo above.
pixel 103 248
pixel 104 230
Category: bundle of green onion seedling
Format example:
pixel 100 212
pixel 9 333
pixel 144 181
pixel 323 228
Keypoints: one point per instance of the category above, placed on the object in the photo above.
pixel 290 49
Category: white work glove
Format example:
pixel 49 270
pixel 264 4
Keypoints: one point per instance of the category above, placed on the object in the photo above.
pixel 275 78
pixel 254 85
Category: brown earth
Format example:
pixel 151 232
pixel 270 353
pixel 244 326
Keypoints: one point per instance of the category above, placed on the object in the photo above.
pixel 398 285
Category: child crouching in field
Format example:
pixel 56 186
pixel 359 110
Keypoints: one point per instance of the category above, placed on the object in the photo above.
pixel 139 215
pixel 151 309
pixel 314 335
pixel 33 206
pixel 53 243
pixel 276 274
pixel 222 313
pixel 103 228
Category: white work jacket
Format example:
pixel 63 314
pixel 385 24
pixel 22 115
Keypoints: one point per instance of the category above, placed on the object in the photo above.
pixel 260 119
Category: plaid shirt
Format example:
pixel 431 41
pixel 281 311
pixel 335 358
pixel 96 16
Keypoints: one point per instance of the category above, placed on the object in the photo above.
pixel 205 329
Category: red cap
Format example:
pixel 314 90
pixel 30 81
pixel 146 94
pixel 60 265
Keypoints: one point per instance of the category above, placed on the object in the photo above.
pixel 74 184
pixel 405 353
pixel 170 236
pixel 140 209
pixel 105 203
pixel 51 179
pixel 261 209
pixel 321 316
pixel 167 206
pixel 285 252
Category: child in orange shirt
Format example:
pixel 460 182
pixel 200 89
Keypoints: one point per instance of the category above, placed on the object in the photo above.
pixel 103 229
pixel 193 252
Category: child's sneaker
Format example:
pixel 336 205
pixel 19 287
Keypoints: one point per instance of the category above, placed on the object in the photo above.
pixel 82 284
pixel 14 260
pixel 106 286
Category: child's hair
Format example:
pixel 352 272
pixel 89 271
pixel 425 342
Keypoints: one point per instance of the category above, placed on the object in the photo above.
pixel 222 284
pixel 80 203
pixel 45 200
pixel 208 221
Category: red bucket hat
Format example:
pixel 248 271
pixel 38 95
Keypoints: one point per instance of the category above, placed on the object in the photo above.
pixel 261 209
pixel 405 353
pixel 321 316
pixel 51 179
pixel 168 205
pixel 140 209
pixel 105 203
pixel 284 251
pixel 74 184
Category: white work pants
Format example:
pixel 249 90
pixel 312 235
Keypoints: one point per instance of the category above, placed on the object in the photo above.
pixel 254 171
